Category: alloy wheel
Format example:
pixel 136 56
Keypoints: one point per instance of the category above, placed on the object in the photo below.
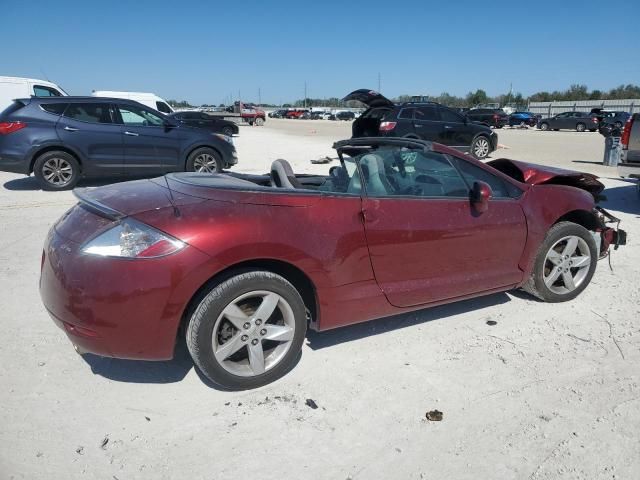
pixel 566 265
pixel 57 171
pixel 205 163
pixel 481 148
pixel 253 333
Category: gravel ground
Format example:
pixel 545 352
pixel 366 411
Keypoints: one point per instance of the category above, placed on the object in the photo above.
pixel 545 392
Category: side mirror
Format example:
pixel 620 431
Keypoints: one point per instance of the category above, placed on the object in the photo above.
pixel 480 195
pixel 168 125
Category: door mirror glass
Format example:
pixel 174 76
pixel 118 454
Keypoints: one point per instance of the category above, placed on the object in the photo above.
pixel 480 195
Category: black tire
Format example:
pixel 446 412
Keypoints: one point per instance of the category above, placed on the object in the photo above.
pixel 208 312
pixel 228 131
pixel 580 127
pixel 536 285
pixel 204 160
pixel 64 167
pixel 544 126
pixel 480 147
pixel 618 124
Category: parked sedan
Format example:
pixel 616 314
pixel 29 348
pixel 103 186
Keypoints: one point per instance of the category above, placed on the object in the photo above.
pixel 404 224
pixel 61 139
pixel 523 119
pixel 345 115
pixel 579 121
pixel 209 122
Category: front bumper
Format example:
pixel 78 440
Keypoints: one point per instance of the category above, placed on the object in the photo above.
pixel 122 308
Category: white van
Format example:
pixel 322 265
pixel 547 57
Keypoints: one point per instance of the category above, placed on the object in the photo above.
pixel 18 87
pixel 149 99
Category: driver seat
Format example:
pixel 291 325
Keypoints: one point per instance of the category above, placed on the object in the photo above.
pixel 282 175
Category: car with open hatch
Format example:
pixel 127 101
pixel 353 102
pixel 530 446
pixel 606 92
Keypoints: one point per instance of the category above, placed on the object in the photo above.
pixel 244 264
pixel 421 120
pixel 62 139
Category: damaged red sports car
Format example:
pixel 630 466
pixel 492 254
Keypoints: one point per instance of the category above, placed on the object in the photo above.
pixel 244 264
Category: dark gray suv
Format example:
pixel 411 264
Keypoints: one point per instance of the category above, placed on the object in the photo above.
pixel 63 139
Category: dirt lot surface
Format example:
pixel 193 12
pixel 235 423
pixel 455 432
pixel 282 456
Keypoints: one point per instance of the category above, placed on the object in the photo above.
pixel 550 391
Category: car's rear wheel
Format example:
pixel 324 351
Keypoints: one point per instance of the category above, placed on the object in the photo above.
pixel 248 330
pixel 581 127
pixel 204 160
pixel 480 147
pixel 56 170
pixel 564 264
pixel 544 126
pixel 228 131
pixel 259 121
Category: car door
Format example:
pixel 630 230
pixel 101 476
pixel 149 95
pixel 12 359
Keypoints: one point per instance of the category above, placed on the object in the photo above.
pixel 90 129
pixel 426 241
pixel 562 120
pixel 456 131
pixel 150 146
pixel 427 124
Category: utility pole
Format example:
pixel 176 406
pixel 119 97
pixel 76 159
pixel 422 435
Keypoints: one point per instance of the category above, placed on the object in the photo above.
pixel 305 94
pixel 259 97
pixel 378 82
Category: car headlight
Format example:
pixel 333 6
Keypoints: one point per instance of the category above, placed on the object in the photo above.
pixel 132 239
pixel 224 137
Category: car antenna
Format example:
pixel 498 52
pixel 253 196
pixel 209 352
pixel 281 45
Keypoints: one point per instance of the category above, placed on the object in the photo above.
pixel 176 210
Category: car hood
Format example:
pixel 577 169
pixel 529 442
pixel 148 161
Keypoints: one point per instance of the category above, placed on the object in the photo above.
pixel 534 174
pixel 370 98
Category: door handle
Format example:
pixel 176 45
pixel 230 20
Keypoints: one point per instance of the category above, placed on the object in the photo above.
pixel 417 125
pixel 69 129
pixel 448 126
pixel 133 134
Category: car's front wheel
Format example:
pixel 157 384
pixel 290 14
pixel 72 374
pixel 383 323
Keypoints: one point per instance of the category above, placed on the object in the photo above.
pixel 581 127
pixel 480 147
pixel 544 126
pixel 564 264
pixel 56 170
pixel 204 160
pixel 248 330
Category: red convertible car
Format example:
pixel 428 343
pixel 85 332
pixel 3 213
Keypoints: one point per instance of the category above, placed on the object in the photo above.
pixel 244 264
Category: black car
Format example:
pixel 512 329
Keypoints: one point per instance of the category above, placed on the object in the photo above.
pixel 61 139
pixel 492 117
pixel 579 121
pixel 203 120
pixel 613 119
pixel 423 120
pixel 345 115
pixel 316 115
pixel 278 113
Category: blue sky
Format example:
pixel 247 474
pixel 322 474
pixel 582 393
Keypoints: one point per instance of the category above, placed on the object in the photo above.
pixel 205 51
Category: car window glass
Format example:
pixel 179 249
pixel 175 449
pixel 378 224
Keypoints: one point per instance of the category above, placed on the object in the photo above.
pixel 40 91
pixel 406 113
pixel 163 107
pixel 426 113
pixel 138 117
pixel 447 115
pixel 394 171
pixel 473 173
pixel 55 108
pixel 89 112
